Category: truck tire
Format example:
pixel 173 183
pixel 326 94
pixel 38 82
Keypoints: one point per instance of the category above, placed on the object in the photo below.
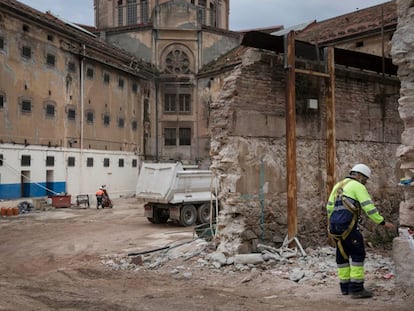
pixel 188 215
pixel 160 216
pixel 203 213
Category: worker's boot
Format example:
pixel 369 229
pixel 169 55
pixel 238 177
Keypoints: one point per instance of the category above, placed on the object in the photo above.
pixel 344 288
pixel 361 294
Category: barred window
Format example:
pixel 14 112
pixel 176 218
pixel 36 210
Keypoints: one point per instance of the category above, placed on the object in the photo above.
pixel 71 161
pixel 121 122
pixel 106 78
pixel 71 67
pixel 121 162
pixel 106 120
pixel 71 114
pixel 50 59
pixel 25 160
pixel 106 162
pixel 134 125
pixel 50 110
pixel 26 105
pixel 170 137
pixel 89 116
pixel 185 136
pixel 89 73
pixel 121 83
pixel 50 161
pixel 26 52
pixel 89 162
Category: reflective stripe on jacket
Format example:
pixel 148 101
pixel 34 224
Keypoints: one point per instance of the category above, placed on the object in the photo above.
pixel 358 195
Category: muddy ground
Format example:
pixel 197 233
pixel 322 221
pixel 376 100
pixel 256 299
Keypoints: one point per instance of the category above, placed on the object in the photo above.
pixel 57 260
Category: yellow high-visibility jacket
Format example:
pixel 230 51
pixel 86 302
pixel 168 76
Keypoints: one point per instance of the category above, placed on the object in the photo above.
pixel 357 194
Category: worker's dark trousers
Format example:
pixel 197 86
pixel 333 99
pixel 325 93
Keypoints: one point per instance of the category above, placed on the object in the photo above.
pixel 98 201
pixel 352 269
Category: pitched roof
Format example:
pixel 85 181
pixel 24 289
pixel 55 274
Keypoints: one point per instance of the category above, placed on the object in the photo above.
pixel 353 24
pixel 95 48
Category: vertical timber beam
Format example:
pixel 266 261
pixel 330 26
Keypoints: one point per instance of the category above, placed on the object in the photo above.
pixel 291 135
pixel 330 124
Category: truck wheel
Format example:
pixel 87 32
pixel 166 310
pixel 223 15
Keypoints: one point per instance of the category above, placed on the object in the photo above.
pixel 203 213
pixel 160 216
pixel 188 215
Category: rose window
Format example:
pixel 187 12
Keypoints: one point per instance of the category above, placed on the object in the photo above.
pixel 177 62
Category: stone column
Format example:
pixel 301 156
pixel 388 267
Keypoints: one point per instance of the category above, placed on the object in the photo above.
pixel 403 56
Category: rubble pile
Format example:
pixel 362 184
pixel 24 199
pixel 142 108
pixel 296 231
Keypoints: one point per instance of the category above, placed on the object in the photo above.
pixel 198 258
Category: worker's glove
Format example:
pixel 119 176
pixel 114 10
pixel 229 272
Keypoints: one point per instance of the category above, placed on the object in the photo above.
pixel 389 225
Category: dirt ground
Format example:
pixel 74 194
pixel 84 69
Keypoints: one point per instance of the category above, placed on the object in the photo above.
pixel 54 260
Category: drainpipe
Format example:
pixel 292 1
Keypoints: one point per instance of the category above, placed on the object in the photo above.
pixel 82 95
pixel 156 122
pixel 82 112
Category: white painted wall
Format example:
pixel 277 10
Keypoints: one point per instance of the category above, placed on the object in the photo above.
pixel 80 179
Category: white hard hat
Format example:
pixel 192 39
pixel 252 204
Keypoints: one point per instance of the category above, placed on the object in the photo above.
pixel 363 169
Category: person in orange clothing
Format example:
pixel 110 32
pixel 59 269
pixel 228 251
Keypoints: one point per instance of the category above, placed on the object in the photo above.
pixel 99 197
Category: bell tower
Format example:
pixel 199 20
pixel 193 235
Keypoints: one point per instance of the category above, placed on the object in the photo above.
pixel 118 13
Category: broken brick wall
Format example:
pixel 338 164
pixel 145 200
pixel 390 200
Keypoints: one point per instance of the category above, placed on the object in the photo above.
pixel 248 148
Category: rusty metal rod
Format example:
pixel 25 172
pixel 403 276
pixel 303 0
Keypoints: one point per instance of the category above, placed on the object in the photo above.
pixel 330 124
pixel 291 137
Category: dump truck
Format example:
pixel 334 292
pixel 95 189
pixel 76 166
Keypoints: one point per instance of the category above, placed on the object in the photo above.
pixel 171 192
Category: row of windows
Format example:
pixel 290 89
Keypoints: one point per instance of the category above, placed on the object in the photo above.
pixel 26 53
pixel 26 107
pixel 50 161
pixel 184 136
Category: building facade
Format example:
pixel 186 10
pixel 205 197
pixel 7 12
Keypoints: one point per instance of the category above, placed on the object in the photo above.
pixel 65 96
pixel 178 37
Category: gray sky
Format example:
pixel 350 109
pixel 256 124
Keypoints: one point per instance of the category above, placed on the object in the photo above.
pixel 244 14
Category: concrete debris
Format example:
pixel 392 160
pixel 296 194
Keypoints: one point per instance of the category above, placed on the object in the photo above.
pixel 246 259
pixel 316 268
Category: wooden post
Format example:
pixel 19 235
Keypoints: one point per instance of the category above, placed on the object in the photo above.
pixel 330 124
pixel 291 137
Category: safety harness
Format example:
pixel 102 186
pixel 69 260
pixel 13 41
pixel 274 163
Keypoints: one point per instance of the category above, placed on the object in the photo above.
pixel 355 215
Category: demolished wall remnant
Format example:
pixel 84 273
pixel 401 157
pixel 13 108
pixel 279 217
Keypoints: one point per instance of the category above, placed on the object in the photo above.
pixel 248 148
pixel 403 56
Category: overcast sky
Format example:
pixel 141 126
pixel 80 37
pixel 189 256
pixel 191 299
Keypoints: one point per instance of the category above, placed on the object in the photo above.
pixel 244 14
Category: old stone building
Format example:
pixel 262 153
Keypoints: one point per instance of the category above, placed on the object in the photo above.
pixel 179 37
pixel 70 107
pixel 367 30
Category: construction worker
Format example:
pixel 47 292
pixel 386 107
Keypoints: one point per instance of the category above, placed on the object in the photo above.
pixel 99 197
pixel 347 199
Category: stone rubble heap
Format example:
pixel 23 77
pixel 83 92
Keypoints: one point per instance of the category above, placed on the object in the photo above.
pixel 316 267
